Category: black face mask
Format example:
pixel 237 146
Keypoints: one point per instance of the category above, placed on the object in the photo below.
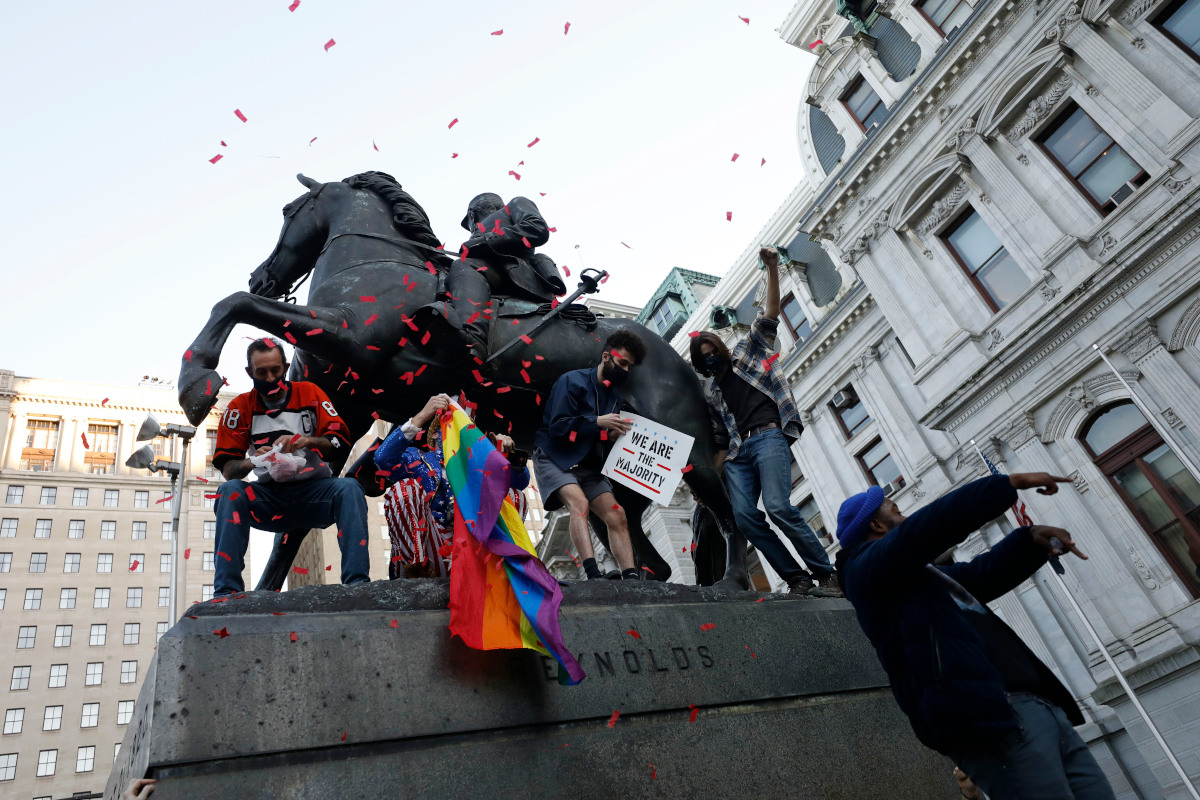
pixel 714 364
pixel 273 391
pixel 614 374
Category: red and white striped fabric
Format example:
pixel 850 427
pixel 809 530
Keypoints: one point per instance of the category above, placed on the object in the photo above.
pixel 416 536
pixel 519 501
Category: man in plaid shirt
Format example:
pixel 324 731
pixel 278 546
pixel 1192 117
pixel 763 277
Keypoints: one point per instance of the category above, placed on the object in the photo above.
pixel 754 420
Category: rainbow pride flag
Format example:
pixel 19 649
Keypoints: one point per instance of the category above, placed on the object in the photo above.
pixel 501 595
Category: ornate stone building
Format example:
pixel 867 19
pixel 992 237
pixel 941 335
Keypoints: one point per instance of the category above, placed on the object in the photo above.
pixel 994 195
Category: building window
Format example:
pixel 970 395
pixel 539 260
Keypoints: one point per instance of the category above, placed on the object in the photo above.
pixel 20 679
pixel 99 634
pixel 116 751
pixel 206 592
pixel 33 599
pixel 133 632
pixel 3 598
pixel 42 528
pixel 879 465
pixel 139 530
pixel 1180 21
pixel 75 529
pixel 863 104
pixel 71 562
pixel 124 712
pixel 66 598
pixel 128 672
pixel 62 635
pixel 108 529
pixel 104 562
pixel 210 441
pixel 58 676
pixel 141 499
pixel 210 529
pixel 8 766
pixel 946 15
pixel 95 673
pixel 210 563
pixel 79 497
pixel 8 528
pixel 85 761
pixel 5 562
pixel 133 597
pixel 210 500
pixel 100 599
pixel 996 275
pixel 14 720
pixel 41 442
pixel 91 715
pixel 26 637
pixel 164 562
pixel 1153 483
pixel 102 455
pixel 112 497
pixel 812 515
pixel 49 496
pixel 164 596
pixel 795 319
pixel 52 718
pixel 162 628
pixel 1091 159
pixel 16 494
pixel 850 412
pixel 137 562
pixel 37 562
pixel 47 760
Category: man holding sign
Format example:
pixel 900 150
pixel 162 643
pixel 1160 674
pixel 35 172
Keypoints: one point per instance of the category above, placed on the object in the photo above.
pixel 754 416
pixel 581 412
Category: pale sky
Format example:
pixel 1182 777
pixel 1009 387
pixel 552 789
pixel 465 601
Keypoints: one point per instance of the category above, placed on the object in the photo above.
pixel 119 235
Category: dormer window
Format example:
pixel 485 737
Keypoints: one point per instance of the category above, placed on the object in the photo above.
pixel 863 104
pixel 795 319
pixel 946 15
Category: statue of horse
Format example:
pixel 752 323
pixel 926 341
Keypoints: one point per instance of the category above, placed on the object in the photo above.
pixel 374 260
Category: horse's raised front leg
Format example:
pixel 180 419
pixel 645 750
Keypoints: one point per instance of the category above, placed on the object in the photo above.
pixel 199 381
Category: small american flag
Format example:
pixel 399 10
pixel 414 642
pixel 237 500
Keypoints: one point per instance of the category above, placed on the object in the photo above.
pixel 1018 508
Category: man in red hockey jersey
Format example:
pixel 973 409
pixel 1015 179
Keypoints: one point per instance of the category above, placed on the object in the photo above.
pixel 289 419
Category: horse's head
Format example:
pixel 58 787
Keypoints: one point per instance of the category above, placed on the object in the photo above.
pixel 299 243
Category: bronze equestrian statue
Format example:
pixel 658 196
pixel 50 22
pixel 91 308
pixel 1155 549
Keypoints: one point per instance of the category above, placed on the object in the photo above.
pixel 375 263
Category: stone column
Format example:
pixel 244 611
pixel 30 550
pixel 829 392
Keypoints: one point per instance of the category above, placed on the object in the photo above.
pixel 1020 216
pixel 71 450
pixel 126 444
pixel 1179 396
pixel 903 281
pixel 16 441
pixel 836 476
pixel 896 429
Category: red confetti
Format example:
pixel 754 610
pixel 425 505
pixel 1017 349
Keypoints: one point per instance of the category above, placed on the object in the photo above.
pixel 295 4
pixel 767 362
pixel 315 331
pixel 222 633
pixel 293 634
pixel 425 338
pixel 300 570
pixel 370 319
pixel 344 735
pixel 764 161
pixel 627 245
pixel 395 623
pixel 514 174
pixel 328 567
pixel 187 355
pixel 688 468
pixel 86 446
pixel 536 139
pixel 310 141
pixel 237 519
pixel 694 714
pixel 525 376
pixel 572 437
pixel 566 28
pixel 634 634
pixel 526 339
pixel 744 19
pixel 133 567
pixel 187 554
pixel 612 721
pixel 222 555
pixel 215 158
pixel 454 155
pixel 453 122
pixel 375 145
pixel 368 298
pixel 729 216
pixel 708 626
pixel 239 114
pixel 759 600
pixel 289 337
pixel 498 33
pixel 553 230
pixel 164 500
pixel 104 402
pixel 329 44
pixel 444 550
pixel 735 157
pixel 653 771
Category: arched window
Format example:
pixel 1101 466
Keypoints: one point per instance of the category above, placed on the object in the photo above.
pixel 1150 478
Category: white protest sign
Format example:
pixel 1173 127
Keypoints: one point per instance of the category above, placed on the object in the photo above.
pixel 649 458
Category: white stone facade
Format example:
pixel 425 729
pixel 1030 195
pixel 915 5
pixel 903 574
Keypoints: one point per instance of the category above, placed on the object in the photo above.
pixel 936 366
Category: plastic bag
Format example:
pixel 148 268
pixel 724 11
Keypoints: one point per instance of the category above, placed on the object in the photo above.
pixel 279 465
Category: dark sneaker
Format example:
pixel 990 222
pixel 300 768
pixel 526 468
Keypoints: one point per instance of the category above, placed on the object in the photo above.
pixel 802 585
pixel 827 586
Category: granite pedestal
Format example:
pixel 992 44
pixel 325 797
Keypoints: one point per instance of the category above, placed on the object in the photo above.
pixel 331 691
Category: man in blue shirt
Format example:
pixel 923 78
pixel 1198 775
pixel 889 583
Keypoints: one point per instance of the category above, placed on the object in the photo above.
pixel 581 413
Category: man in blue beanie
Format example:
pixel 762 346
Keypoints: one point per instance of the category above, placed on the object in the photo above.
pixel 971 688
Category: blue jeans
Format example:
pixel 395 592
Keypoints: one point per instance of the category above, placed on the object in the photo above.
pixel 279 507
pixel 764 467
pixel 1045 760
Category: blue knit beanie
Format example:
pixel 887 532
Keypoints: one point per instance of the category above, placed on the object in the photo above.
pixel 855 515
